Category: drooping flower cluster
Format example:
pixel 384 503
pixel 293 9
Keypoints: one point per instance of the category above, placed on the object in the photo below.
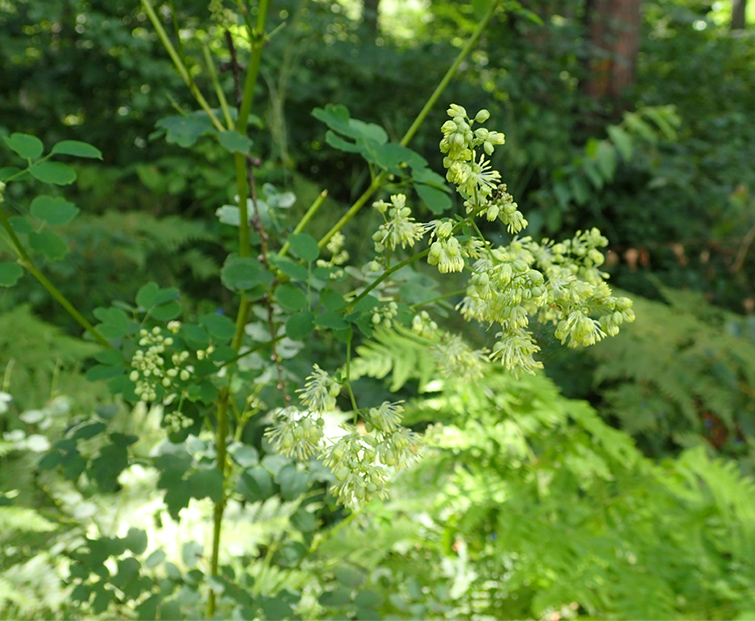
pixel 296 432
pixel 320 391
pixel 300 431
pixel 559 283
pixel 360 461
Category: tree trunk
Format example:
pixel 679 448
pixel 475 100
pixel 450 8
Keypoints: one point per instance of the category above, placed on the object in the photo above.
pixel 370 14
pixel 738 11
pixel 613 31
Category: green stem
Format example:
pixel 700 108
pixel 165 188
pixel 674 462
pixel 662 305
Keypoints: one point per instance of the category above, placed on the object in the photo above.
pixel 305 220
pixel 183 72
pixel 378 181
pixel 28 263
pixel 408 261
pixel 242 187
pixel 387 273
pixel 217 522
pixel 348 376
pixel 258 42
pixel 242 183
pixel 216 83
pixel 449 74
pixel 440 298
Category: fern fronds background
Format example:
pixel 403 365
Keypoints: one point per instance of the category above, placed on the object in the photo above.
pixel 398 352
pixel 38 359
pixel 532 505
pixel 685 366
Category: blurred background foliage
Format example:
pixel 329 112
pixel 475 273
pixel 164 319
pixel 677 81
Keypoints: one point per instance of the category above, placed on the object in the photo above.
pixel 662 163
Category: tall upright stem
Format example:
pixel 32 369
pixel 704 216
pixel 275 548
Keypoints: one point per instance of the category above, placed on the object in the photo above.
pixel 257 37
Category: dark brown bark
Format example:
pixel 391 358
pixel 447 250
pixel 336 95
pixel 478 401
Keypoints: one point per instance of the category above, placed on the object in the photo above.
pixel 613 31
pixel 738 11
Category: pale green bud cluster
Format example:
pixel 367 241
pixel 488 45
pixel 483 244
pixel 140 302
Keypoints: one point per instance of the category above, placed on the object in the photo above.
pixel 423 325
pixel 339 256
pixel 471 172
pixel 399 228
pixel 459 140
pixel 360 462
pixel 385 314
pixel 152 366
pixel 175 421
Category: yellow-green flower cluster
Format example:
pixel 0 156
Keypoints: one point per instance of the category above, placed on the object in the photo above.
pixel 320 391
pixel 300 431
pixel 153 368
pixel 296 432
pixel 446 252
pixel 455 359
pixel 559 283
pixel 360 461
pixel 399 227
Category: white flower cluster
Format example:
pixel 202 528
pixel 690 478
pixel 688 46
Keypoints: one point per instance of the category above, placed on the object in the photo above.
pixel 320 391
pixel 151 368
pixel 300 432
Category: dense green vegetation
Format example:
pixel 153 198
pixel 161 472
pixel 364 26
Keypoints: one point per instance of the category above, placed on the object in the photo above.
pixel 180 365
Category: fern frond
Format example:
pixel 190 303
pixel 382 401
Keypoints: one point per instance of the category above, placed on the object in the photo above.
pixel 398 352
pixel 23 519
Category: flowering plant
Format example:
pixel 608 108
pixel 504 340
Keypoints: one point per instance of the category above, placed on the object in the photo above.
pixel 212 378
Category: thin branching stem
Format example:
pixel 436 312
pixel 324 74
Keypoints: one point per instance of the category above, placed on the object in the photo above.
pixel 25 261
pixel 380 179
